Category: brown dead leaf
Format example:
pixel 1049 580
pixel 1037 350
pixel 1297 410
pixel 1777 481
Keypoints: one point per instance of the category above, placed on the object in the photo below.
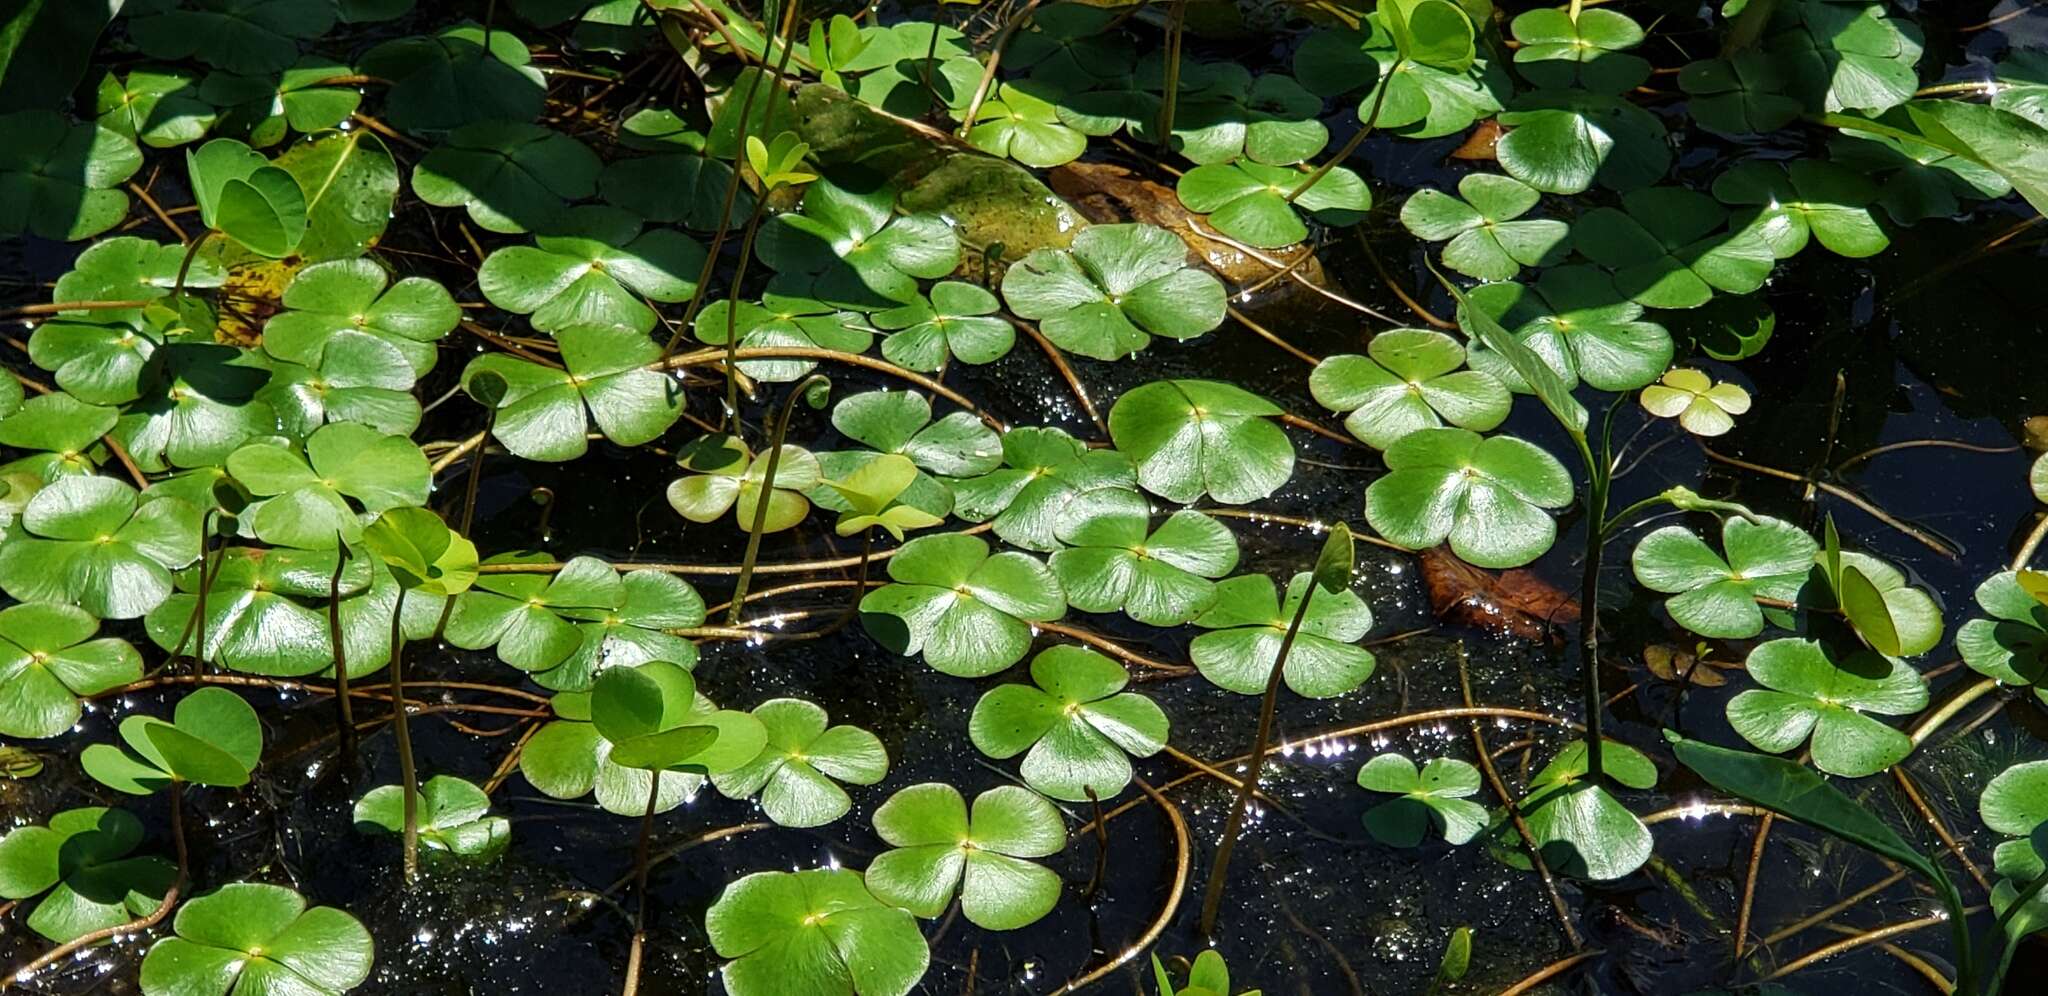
pixel 1677 665
pixel 1516 602
pixel 1480 144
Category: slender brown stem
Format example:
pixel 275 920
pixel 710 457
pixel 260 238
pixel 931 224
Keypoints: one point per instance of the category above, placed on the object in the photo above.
pixel 988 72
pixel 345 719
pixel 1101 845
pixel 60 307
pixel 1176 28
pixel 1212 894
pixel 185 265
pixel 732 317
pixel 407 776
pixel 1756 861
pixel 718 355
pixel 1507 801
pixel 1827 951
pixel 764 493
pixel 1182 850
pixel 640 884
pixel 1846 903
pixel 1379 100
pixel 1550 971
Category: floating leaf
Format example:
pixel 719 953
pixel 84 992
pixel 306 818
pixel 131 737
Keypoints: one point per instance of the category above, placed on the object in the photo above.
pixel 1250 201
pixel 1043 469
pixel 787 316
pixel 64 428
pixel 159 107
pixel 817 932
pixel 1437 795
pixel 679 187
pixel 1115 561
pixel 530 618
pixel 1409 380
pixel 304 494
pixel 1022 123
pixel 58 176
pixel 1486 496
pixel 242 36
pixel 453 815
pixel 726 477
pixel 957 321
pixel 1190 438
pixel 2012 643
pixel 1668 249
pixel 244 197
pixel 214 738
pixel 797 774
pixel 86 541
pixel 1810 689
pixel 542 414
pixel 347 305
pixel 1802 199
pixel 1740 95
pixel 1580 828
pixel 957 445
pixel 1075 725
pixel 593 267
pixel 1714 596
pixel 82 859
pixel 1579 50
pixel 569 758
pixel 200 407
pixel 447 80
pixel 259 940
pixel 1888 611
pixel 1113 289
pixel 267 614
pixel 1563 142
pixel 260 109
pixel 1573 319
pixel 512 177
pixel 1485 241
pixel 48 661
pixel 1702 407
pixel 351 184
pixel 939 848
pixel 967 611
pixel 422 552
pixel 1845 56
pixel 861 253
pixel 1271 119
pixel 1249 620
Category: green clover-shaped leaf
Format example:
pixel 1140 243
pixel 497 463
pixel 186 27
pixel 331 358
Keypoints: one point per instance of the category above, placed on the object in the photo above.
pixel 724 476
pixel 542 413
pixel 1564 141
pixel 1437 795
pixel 199 408
pixel 304 495
pixel 2010 641
pixel 86 541
pixel 453 816
pixel 1807 198
pixel 1249 620
pixel 1042 470
pixel 249 939
pixel 530 618
pixel 570 758
pixel 816 932
pixel 1249 201
pixel 1585 53
pixel 65 431
pixel 940 848
pixel 1022 123
pixel 49 660
pixel 422 552
pixel 1669 248
pixel 1701 406
pixel 1573 319
pixel 1740 95
pixel 1422 101
pixel 58 177
pixel 242 36
pixel 1580 828
pixel 787 316
pixel 1409 380
pixel 1115 561
pixel 1811 689
pixel 352 305
pixel 447 80
pixel 1486 242
pixel 1114 288
pixel 593 266
pixel 82 859
pixel 1190 438
pixel 957 321
pixel 676 187
pixel 214 738
pixel 862 254
pixel 246 198
pixel 263 108
pixel 968 612
pixel 797 774
pixel 1845 56
pixel 1486 496
pixel 1075 725
pixel 157 106
pixel 511 177
pixel 1716 596
pixel 126 268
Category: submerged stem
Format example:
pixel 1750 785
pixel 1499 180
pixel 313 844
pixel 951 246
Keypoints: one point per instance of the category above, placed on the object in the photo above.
pixel 345 720
pixel 762 496
pixel 1598 479
pixel 732 312
pixel 640 885
pixel 1212 895
pixel 408 777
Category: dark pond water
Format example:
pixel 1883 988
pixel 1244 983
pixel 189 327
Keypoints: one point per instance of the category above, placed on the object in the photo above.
pixel 1937 339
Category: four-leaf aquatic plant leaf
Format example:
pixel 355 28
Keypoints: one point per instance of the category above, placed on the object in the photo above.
pixel 1190 438
pixel 213 738
pixel 87 541
pixel 251 939
pixel 860 251
pixel 1256 203
pixel 1116 561
pixel 722 475
pixel 305 495
pixel 1701 406
pixel 1488 497
pixel 1813 689
pixel 1408 380
pixel 967 611
pixel 797 773
pixel 48 660
pixel 1075 725
pixel 422 552
pixel 957 321
pixel 1486 241
pixel 1114 288
pixel 242 196
pixel 592 266
pixel 1805 199
pixel 82 859
pixel 351 305
pixel 940 848
pixel 454 816
pixel 1436 795
pixel 1249 621
pixel 1668 248
pixel 1574 321
pixel 1025 125
pixel 682 739
pixel 541 415
pixel 1580 828
pixel 1042 470
pixel 818 932
pixel 58 176
pixel 1716 596
pixel 529 618
pixel 2010 641
pixel 511 176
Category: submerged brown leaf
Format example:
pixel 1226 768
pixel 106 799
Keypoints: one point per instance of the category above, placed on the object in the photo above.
pixel 1681 666
pixel 1481 143
pixel 1516 602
